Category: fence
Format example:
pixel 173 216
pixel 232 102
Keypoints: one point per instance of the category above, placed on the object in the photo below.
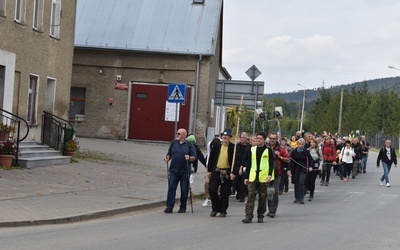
pixel 378 141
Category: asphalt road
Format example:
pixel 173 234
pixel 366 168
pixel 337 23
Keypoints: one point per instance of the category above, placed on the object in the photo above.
pixel 358 214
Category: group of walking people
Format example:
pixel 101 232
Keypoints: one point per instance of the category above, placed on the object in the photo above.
pixel 263 166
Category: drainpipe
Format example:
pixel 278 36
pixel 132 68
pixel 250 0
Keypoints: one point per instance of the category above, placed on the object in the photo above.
pixel 196 95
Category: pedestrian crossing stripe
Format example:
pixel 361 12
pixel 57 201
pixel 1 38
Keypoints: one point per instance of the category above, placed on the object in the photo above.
pixel 176 94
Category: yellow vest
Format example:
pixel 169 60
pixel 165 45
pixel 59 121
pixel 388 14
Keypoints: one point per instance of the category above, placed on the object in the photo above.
pixel 264 166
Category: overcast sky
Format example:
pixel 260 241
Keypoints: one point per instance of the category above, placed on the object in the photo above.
pixel 311 41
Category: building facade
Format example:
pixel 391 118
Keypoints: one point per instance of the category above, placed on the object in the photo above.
pixel 123 66
pixel 36 52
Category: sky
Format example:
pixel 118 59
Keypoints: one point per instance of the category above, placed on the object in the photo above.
pixel 311 42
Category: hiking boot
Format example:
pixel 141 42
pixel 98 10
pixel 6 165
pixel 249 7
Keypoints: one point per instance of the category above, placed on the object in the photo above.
pixel 168 210
pixel 286 189
pixel 213 213
pixel 247 219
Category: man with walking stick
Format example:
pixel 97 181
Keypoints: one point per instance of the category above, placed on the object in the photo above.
pixel 181 153
pixel 219 172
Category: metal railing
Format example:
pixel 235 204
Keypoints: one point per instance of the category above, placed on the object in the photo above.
pixel 11 125
pixel 56 131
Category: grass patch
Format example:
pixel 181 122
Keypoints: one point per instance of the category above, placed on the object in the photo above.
pixel 93 156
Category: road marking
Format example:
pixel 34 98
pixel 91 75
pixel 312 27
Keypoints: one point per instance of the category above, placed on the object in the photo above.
pixel 387 198
pixel 354 196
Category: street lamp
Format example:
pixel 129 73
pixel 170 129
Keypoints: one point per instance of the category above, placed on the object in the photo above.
pixel 392 67
pixel 302 109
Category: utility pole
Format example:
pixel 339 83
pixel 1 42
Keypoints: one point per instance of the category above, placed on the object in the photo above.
pixel 340 113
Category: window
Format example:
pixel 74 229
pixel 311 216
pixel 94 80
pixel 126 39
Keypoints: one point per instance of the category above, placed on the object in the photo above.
pixel 141 95
pixel 32 97
pixel 38 15
pixel 2 7
pixel 77 104
pixel 20 11
pixel 55 18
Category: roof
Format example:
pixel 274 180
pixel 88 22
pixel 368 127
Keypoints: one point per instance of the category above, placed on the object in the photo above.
pixel 166 26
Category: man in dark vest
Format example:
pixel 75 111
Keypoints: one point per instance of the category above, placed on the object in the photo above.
pixel 219 172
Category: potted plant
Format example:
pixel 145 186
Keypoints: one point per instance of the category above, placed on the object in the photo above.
pixel 5 131
pixel 71 147
pixel 7 152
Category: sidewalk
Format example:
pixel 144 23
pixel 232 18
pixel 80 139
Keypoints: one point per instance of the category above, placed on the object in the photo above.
pixel 111 177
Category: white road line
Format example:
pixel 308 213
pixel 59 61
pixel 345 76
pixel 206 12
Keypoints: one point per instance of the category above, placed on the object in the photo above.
pixel 354 196
pixel 387 198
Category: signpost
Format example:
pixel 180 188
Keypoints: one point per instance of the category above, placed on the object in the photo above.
pixel 176 94
pixel 253 73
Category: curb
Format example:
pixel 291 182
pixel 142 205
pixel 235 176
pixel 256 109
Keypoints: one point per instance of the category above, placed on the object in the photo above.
pixel 83 217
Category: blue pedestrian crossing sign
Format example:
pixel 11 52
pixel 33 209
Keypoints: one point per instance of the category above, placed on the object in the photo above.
pixel 176 93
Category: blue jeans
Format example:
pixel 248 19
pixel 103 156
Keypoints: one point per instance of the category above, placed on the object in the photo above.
pixel 173 180
pixel 363 163
pixel 386 171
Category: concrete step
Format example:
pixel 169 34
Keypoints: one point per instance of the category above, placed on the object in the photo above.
pixel 33 154
pixel 32 162
pixel 38 153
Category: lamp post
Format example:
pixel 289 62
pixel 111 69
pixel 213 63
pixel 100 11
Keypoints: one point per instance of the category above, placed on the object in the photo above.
pixel 392 67
pixel 302 109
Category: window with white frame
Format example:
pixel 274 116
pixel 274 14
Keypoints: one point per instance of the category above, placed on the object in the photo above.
pixel 38 15
pixel 32 99
pixel 55 18
pixel 3 7
pixel 20 6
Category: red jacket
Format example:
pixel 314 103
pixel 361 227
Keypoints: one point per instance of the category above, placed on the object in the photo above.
pixel 329 152
pixel 284 153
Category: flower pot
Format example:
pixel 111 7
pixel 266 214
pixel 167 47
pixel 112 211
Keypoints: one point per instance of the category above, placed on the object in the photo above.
pixel 6 160
pixel 72 154
pixel 4 135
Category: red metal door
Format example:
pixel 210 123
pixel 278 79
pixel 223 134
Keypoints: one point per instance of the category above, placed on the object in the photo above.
pixel 147 116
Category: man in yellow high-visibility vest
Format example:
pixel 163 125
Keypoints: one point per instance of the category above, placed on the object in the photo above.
pixel 259 173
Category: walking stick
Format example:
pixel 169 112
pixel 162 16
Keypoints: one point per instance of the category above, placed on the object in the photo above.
pixel 237 132
pixel 190 186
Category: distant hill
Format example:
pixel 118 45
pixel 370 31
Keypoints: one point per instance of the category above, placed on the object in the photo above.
pixel 312 94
